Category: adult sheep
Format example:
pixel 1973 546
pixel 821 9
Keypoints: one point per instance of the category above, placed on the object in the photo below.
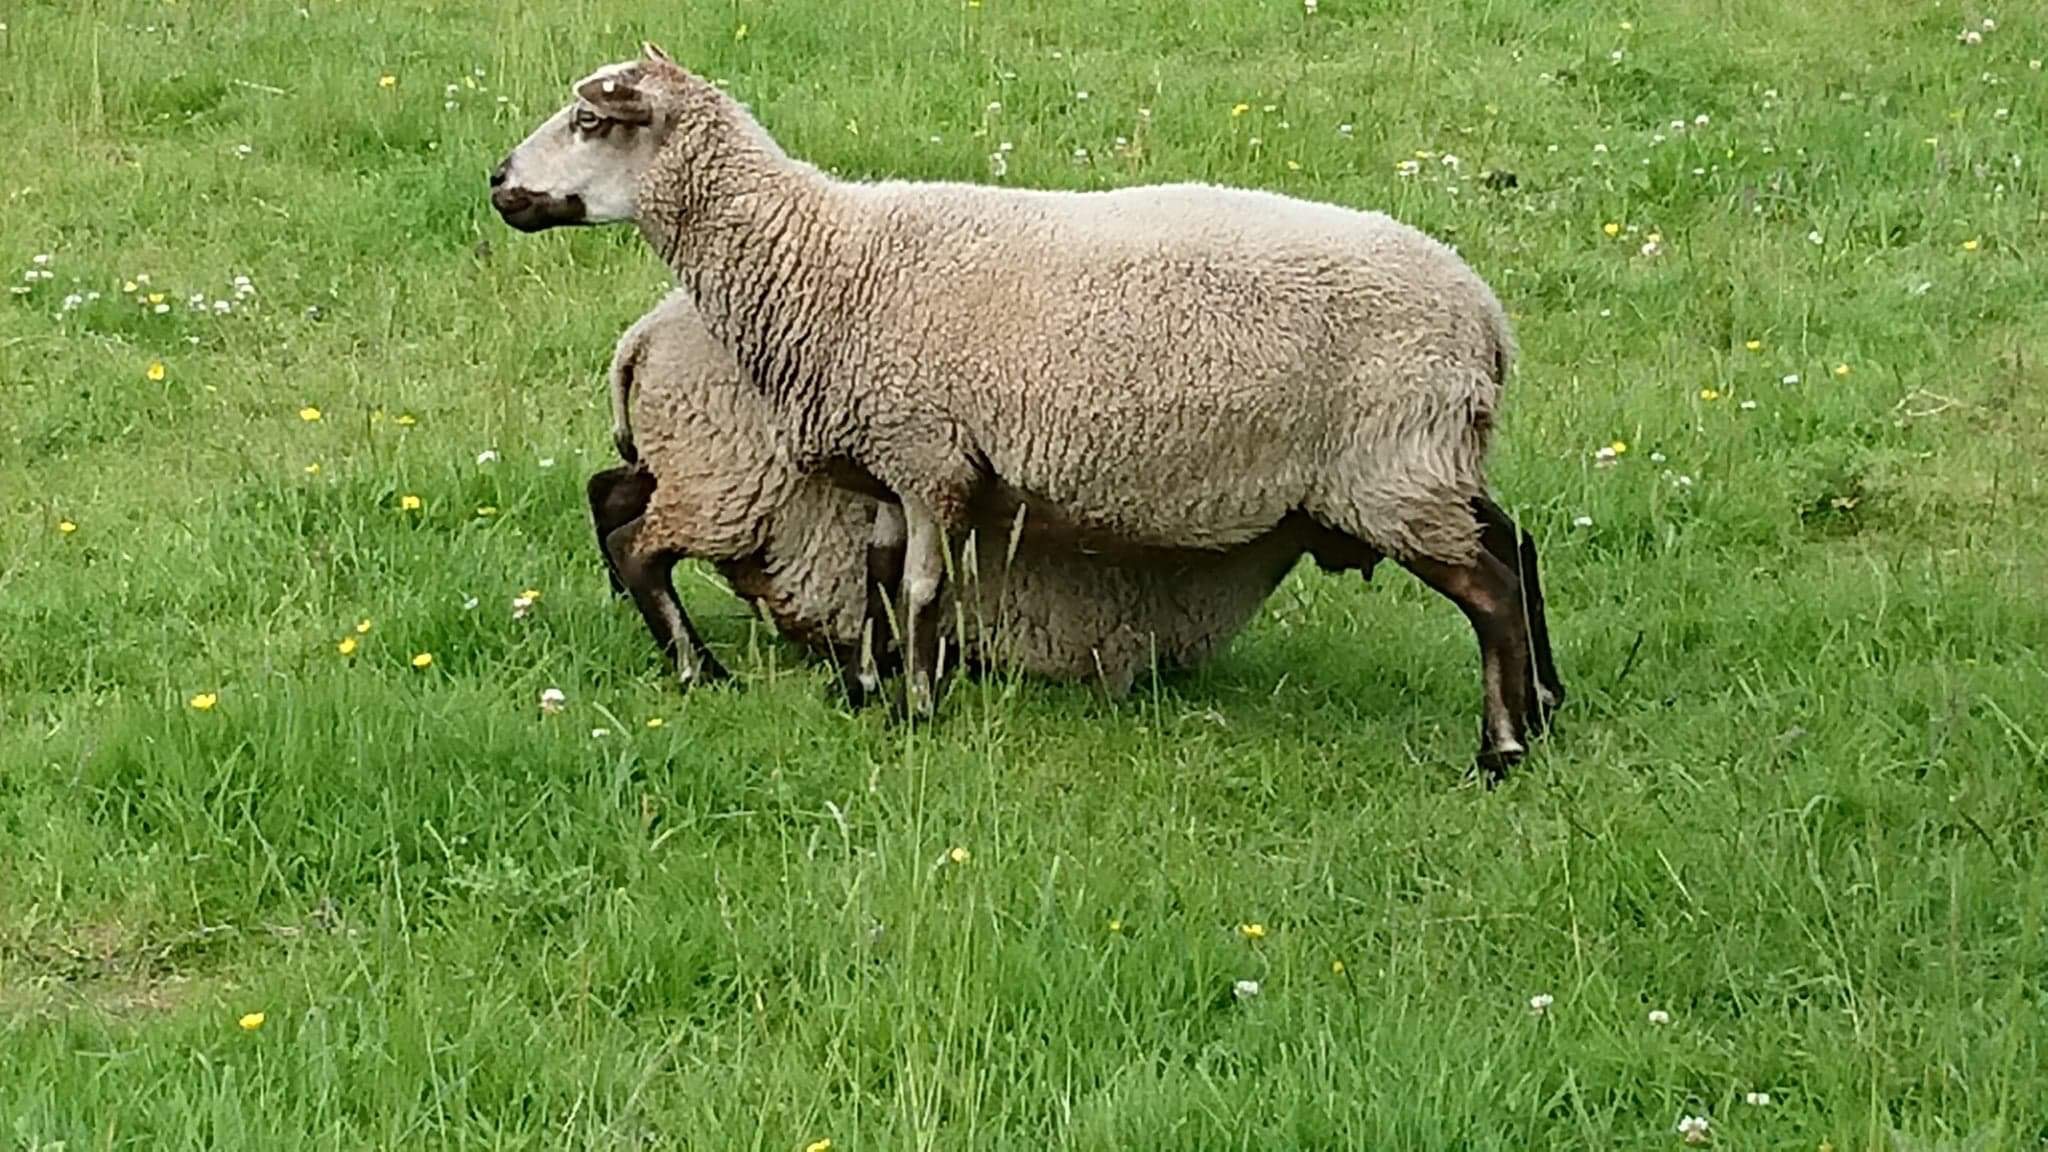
pixel 714 481
pixel 1179 366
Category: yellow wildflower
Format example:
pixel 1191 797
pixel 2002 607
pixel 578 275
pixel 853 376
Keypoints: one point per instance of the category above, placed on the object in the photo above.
pixel 347 647
pixel 1252 931
pixel 1753 345
pixel 309 414
pixel 409 503
pixel 1294 165
pixel 156 297
pixel 1970 245
pixel 1710 393
pixel 1841 369
pixel 423 660
pixel 739 33
pixel 313 469
pixel 1336 967
pixel 66 527
pixel 818 1146
pixel 155 371
pixel 362 626
pixel 251 1021
pixel 1619 447
pixel 959 855
pixel 1611 228
pixel 487 509
pixel 1116 925
pixel 655 721
pixel 406 421
pixel 204 702
pixel 1239 109
pixel 387 81
pixel 129 286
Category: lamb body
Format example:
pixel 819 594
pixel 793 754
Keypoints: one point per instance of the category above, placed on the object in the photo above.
pixel 727 491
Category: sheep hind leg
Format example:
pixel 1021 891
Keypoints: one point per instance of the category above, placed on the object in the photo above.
pixel 1506 541
pixel 617 496
pixel 647 571
pixel 1487 591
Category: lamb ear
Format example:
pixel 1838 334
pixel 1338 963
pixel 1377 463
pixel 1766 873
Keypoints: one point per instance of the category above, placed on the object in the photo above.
pixel 620 95
pixel 653 52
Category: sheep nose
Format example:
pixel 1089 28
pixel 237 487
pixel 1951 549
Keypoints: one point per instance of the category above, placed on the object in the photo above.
pixel 498 173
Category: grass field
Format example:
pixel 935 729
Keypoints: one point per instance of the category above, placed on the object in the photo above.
pixel 1783 260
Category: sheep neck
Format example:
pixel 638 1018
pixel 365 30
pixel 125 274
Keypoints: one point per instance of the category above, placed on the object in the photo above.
pixel 739 223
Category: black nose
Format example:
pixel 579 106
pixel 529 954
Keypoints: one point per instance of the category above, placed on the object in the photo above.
pixel 498 173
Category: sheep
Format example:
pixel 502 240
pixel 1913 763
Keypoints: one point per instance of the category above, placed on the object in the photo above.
pixel 1171 366
pixel 708 476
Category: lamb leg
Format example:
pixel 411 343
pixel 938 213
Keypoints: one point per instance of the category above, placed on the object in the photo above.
pixel 646 573
pixel 617 495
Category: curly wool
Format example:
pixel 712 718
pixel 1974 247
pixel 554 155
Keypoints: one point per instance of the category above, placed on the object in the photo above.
pixel 1167 366
pixel 727 491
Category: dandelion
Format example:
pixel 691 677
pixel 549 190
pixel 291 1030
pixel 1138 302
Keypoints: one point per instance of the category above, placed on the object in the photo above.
pixel 1611 228
pixel 1971 245
pixel 423 660
pixel 204 702
pixel 1710 394
pixel 309 414
pixel 409 503
pixel 1659 1017
pixel 251 1021
pixel 1252 931
pixel 1693 1129
pixel 552 700
pixel 1245 989
pixel 156 372
pixel 1541 1002
pixel 1757 1099
pixel 1753 345
pixel 387 80
pixel 655 721
pixel 66 527
pixel 959 855
pixel 347 646
pixel 1841 370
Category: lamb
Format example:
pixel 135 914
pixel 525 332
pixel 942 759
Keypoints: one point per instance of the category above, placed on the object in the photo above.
pixel 1174 366
pixel 714 481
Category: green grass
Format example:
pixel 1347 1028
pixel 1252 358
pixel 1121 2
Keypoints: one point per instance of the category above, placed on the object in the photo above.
pixel 1796 802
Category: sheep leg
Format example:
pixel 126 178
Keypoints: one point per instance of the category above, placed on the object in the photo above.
pixel 885 570
pixel 924 576
pixel 646 572
pixel 1502 537
pixel 1490 596
pixel 617 495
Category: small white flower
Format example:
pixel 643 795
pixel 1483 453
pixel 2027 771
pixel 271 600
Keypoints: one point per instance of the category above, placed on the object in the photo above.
pixel 487 456
pixel 223 307
pixel 1600 149
pixel 1615 56
pixel 160 309
pixel 1407 167
pixel 1604 455
pixel 1757 1099
pixel 1080 155
pixel 1678 125
pixel 1656 457
pixel 1309 6
pixel 469 605
pixel 998 165
pixel 40 258
pixel 1682 480
pixel 599 733
pixel 1081 95
pixel 1245 989
pixel 1651 248
pixel 521 605
pixel 1450 161
pixel 1693 1129
pixel 1815 238
pixel 1343 129
pixel 1541 1002
pixel 1577 522
pixel 73 301
pixel 244 150
pixel 1747 405
pixel 552 700
pixel 1970 36
pixel 547 461
pixel 1790 379
pixel 1990 25
pixel 995 107
pixel 1700 121
pixel 1659 1017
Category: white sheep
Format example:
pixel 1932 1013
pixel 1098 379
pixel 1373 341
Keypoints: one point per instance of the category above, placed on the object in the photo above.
pixel 1179 366
pixel 715 482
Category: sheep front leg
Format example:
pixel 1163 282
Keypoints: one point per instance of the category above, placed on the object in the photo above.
pixel 924 577
pixel 645 570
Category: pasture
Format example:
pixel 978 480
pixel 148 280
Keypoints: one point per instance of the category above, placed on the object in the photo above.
pixel 293 433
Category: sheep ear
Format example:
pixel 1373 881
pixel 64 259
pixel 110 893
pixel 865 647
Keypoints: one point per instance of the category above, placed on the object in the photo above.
pixel 620 95
pixel 653 52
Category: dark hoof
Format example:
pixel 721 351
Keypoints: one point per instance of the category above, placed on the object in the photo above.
pixel 1493 764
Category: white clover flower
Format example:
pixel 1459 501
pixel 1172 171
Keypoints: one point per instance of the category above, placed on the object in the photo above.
pixel 1815 238
pixel 487 456
pixel 547 461
pixel 1081 95
pixel 998 165
pixel 1659 1017
pixel 1451 162
pixel 1700 121
pixel 40 258
pixel 1245 989
pixel 1343 129
pixel 1790 379
pixel 1308 7
pixel 1577 522
pixel 72 301
pixel 1541 1002
pixel 1747 405
pixel 469 604
pixel 1693 1129
pixel 1757 1099
pixel 223 307
pixel 552 700
pixel 521 606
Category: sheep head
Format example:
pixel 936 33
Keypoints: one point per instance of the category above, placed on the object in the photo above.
pixel 583 165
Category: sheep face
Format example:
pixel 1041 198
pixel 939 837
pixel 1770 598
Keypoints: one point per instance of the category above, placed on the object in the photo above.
pixel 583 165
